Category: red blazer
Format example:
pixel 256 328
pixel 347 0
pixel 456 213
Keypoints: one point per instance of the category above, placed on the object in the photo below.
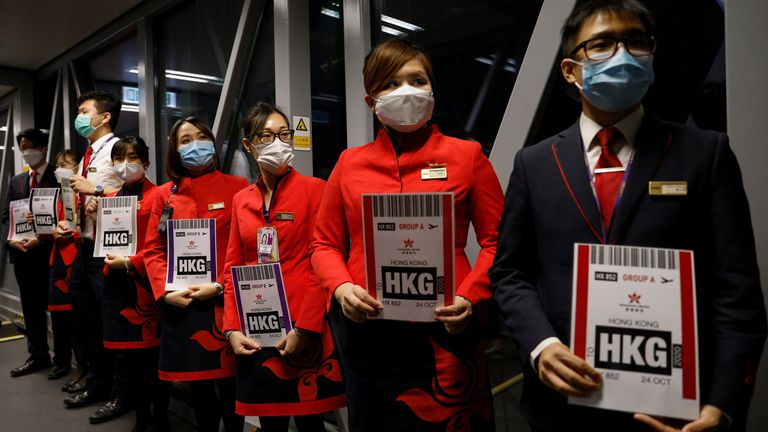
pixel 300 196
pixel 375 168
pixel 190 202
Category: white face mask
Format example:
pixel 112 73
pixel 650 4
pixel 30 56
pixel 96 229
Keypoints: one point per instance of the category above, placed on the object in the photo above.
pixel 274 158
pixel 32 156
pixel 129 172
pixel 405 109
pixel 63 173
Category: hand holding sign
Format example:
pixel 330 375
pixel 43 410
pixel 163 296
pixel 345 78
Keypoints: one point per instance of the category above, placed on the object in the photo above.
pixel 566 373
pixel 356 303
pixel 203 291
pixel 242 345
pixel 455 317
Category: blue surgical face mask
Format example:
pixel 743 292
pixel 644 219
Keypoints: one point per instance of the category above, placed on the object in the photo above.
pixel 197 155
pixel 83 125
pixel 617 83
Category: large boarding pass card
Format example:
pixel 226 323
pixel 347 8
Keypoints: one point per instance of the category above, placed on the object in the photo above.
pixel 43 206
pixel 18 227
pixel 261 303
pixel 409 253
pixel 634 319
pixel 191 253
pixel 116 227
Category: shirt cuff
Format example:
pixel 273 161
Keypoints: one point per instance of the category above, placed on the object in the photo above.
pixel 539 348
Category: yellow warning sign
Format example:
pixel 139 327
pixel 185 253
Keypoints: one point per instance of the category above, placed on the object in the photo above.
pixel 302 137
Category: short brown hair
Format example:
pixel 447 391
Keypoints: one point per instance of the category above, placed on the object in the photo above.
pixel 387 58
pixel 173 167
pixel 257 116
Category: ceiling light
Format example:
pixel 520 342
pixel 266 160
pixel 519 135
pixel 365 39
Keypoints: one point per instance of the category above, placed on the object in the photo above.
pixel 400 23
pixel 129 108
pixel 187 76
pixel 392 31
pixel 330 12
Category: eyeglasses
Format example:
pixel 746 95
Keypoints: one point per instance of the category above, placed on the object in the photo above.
pixel 605 47
pixel 268 137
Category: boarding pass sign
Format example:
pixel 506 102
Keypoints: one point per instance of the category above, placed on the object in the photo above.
pixel 634 319
pixel 409 253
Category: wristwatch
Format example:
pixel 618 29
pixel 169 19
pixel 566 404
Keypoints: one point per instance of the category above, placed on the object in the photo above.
pixel 99 190
pixel 219 288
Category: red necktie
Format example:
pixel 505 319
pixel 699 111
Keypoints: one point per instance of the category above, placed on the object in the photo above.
pixel 84 173
pixel 607 183
pixel 86 161
pixel 33 184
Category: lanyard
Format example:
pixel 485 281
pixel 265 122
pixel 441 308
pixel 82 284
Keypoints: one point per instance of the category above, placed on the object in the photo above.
pixel 264 208
pixel 95 153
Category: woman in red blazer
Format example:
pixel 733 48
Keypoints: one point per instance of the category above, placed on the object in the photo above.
pixel 66 339
pixel 130 314
pixel 405 376
pixel 192 346
pixel 301 377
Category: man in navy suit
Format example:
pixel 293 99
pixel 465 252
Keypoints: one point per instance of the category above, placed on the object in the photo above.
pixel 590 184
pixel 30 256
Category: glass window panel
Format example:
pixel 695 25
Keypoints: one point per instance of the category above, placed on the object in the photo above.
pixel 329 121
pixel 258 86
pixel 114 69
pixel 689 68
pixel 194 41
pixel 476 50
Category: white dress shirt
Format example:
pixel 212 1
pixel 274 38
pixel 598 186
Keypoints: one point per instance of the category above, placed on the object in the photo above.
pixel 100 172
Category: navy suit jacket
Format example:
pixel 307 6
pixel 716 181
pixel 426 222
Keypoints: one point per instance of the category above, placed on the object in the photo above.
pixel 532 272
pixel 18 189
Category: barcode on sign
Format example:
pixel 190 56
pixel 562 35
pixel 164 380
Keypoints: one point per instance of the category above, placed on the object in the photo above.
pixel 183 224
pixel 401 205
pixel 629 256
pixel 116 202
pixel 255 273
pixel 43 192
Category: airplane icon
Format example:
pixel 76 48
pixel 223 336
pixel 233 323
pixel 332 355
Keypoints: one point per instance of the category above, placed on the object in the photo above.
pixel 430 226
pixel 665 280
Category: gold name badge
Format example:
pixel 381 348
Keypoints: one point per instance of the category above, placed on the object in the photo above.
pixel 668 188
pixel 434 173
pixel 91 169
pixel 284 216
pixel 216 206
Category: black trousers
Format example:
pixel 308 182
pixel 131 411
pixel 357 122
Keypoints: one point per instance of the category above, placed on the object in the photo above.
pixel 86 283
pixel 214 401
pixel 150 394
pixel 61 324
pixel 31 271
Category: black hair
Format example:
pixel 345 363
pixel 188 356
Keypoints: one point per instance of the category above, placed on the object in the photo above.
pixel 36 136
pixel 257 116
pixel 122 146
pixel 587 8
pixel 173 166
pixel 72 154
pixel 105 102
